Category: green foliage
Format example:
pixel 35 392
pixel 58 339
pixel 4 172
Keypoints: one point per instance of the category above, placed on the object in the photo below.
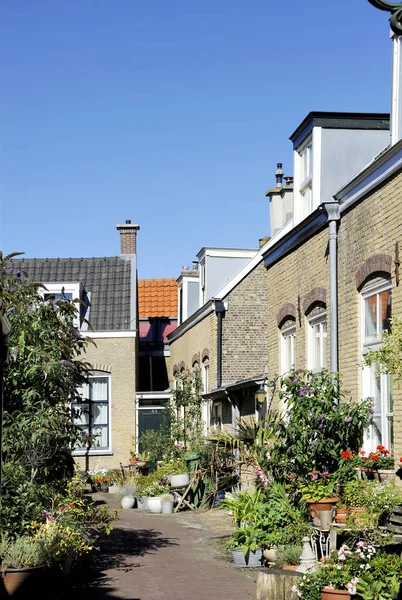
pixel 174 466
pixel 318 423
pixel 44 370
pixel 288 555
pixel 389 356
pixel 318 487
pixel 155 489
pixel 22 552
pixel 157 444
pixel 242 504
pixel 248 538
pixel 126 489
pixel 183 414
pixel 381 582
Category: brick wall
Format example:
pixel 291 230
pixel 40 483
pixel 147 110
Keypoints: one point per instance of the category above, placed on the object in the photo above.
pixel 203 336
pixel 119 355
pixel 295 282
pixel 245 328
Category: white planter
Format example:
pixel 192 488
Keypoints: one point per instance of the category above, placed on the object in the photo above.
pixel 178 481
pixel 167 506
pixel 142 502
pixel 112 489
pixel 155 505
pixel 127 502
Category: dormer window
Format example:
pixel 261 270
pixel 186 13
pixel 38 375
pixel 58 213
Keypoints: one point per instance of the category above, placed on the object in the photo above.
pixel 74 292
pixel 306 178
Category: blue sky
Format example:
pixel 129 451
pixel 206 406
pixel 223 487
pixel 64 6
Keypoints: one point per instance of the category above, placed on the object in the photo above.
pixel 170 113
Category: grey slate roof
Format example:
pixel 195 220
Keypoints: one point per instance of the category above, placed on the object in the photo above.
pixel 107 279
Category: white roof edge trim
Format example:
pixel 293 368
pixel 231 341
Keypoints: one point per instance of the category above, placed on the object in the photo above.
pixel 373 174
pixel 253 262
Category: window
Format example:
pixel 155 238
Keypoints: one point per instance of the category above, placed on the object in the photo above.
pixel 306 174
pixel 288 342
pixel 376 314
pixel 217 415
pixel 91 414
pixel 317 341
pixel 205 402
pixel 72 292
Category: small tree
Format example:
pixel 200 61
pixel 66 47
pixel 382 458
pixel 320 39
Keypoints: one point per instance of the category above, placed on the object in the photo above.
pixel 389 356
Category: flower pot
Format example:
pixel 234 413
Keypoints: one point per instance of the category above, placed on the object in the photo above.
pixel 319 505
pixel 155 504
pixel 269 554
pixel 326 517
pixel 178 481
pixel 220 495
pixel 384 475
pixel 330 594
pixel 142 502
pixel 252 559
pixel 341 515
pixel 132 461
pixel 23 583
pixel 127 502
pixel 167 506
pixel 141 463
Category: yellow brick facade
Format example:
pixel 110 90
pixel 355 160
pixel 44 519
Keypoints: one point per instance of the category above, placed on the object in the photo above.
pixel 119 355
pixel 202 336
pixel 371 227
pixel 290 281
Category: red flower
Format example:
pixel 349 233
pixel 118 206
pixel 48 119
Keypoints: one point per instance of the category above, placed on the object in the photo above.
pixel 346 454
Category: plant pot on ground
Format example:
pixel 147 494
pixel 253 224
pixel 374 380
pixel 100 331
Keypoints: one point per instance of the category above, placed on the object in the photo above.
pixel 23 562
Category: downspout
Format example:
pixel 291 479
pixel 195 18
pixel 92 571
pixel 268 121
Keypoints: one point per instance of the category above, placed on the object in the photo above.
pixel 219 309
pixel 332 209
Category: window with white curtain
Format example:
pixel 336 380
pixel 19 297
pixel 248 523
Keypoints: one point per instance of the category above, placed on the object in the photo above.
pixel 288 346
pixel 375 318
pixel 317 341
pixel 91 414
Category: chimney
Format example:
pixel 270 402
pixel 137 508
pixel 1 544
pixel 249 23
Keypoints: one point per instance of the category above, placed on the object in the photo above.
pixel 288 181
pixel 128 237
pixel 194 265
pixel 279 175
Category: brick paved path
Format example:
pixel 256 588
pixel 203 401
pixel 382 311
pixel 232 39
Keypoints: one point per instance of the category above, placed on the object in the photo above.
pixel 170 557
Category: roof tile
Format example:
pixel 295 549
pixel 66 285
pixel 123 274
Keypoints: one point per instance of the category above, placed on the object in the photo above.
pixel 157 298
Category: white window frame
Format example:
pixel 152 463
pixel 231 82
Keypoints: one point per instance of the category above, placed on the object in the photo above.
pixel 317 320
pixel 305 153
pixel 103 449
pixel 369 377
pixel 68 288
pixel 205 409
pixel 288 336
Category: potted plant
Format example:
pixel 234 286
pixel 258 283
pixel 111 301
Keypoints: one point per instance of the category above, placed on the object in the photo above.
pixel 126 492
pixel 288 557
pixel 167 501
pixel 154 492
pixel 23 560
pixel 379 464
pixel 319 492
pixel 133 457
pixel 338 577
pixel 245 544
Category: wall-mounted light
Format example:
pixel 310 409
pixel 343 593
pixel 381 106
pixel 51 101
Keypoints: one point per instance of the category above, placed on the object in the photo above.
pixel 261 394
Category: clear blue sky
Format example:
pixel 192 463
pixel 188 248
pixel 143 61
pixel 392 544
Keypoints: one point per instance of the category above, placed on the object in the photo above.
pixel 171 113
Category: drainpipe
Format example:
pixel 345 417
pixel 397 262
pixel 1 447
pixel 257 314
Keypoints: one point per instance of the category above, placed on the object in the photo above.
pixel 219 309
pixel 332 209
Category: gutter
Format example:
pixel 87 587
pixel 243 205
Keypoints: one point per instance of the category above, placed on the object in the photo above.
pixel 332 209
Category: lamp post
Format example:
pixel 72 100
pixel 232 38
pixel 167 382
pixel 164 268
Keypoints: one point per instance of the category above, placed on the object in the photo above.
pixel 395 8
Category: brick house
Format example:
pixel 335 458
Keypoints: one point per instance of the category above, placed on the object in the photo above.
pixel 107 287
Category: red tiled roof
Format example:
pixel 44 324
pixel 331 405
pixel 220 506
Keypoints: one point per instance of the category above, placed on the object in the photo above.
pixel 157 298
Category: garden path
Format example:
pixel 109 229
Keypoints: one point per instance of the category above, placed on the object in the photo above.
pixel 177 556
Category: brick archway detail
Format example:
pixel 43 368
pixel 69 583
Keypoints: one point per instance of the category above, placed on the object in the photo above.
pixel 101 367
pixel 378 263
pixel 205 354
pixel 318 295
pixel 287 311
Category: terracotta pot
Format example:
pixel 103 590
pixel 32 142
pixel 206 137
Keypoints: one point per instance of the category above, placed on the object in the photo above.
pixel 328 594
pixel 290 567
pixel 341 515
pixel 23 582
pixel 319 505
pixel 132 460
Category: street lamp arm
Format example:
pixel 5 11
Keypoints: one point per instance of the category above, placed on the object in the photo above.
pixel 395 8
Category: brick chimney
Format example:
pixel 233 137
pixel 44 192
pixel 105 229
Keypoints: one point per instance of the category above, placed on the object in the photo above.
pixel 128 237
